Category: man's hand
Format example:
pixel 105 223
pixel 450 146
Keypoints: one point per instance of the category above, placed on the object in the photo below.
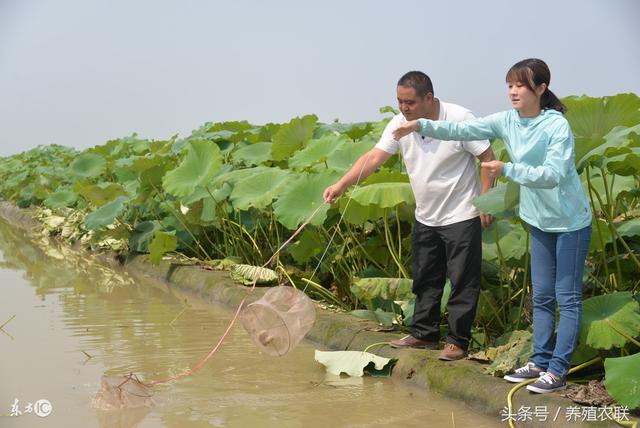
pixel 333 192
pixel 486 219
pixel 406 129
pixel 495 168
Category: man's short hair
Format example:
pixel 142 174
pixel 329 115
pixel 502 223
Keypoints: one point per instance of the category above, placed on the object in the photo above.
pixel 417 80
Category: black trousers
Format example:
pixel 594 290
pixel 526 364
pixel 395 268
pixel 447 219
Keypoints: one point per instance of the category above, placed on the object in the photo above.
pixel 455 251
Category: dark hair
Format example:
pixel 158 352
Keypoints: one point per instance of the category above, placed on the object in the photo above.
pixel 417 80
pixel 533 72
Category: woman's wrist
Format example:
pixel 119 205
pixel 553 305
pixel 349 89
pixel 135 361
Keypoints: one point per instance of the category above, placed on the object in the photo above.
pixel 422 123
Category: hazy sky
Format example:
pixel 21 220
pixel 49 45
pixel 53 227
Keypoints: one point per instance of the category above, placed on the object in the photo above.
pixel 81 72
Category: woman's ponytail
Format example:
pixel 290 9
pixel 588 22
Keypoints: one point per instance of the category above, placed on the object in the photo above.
pixel 550 101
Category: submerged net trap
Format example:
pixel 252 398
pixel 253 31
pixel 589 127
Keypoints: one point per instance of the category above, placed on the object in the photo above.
pixel 279 320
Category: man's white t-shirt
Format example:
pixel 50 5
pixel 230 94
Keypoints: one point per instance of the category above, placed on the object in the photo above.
pixel 443 174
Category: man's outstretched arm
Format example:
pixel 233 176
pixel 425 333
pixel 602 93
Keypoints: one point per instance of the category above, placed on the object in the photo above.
pixel 360 170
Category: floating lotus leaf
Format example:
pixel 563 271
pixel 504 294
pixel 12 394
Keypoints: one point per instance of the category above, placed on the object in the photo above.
pixel 253 154
pixel 101 193
pixel 162 243
pixel 317 151
pixel 247 274
pixel 299 200
pixel 292 136
pixel 198 167
pixel 106 214
pixel 629 227
pixel 607 319
pixel 61 199
pixel 355 363
pixel 258 190
pixel 88 165
pixel 384 195
pixel 622 379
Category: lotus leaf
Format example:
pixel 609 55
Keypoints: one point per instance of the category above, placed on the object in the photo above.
pixel 61 199
pixel 600 234
pixel 310 244
pixel 88 165
pixel 384 195
pixel 626 164
pixel 231 177
pixel 199 166
pixel 608 320
pixel 162 243
pixel 253 154
pixel 106 214
pixel 317 151
pixel 343 159
pixel 500 200
pixel 292 136
pixel 142 235
pixel 593 118
pixel 357 214
pixel 354 363
pixel 101 193
pixel 247 274
pixel 302 198
pixel 511 239
pixel 506 358
pixel 622 379
pixel 258 190
pixel 629 227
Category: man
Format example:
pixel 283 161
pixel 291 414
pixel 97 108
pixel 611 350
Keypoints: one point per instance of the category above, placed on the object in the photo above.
pixel 447 232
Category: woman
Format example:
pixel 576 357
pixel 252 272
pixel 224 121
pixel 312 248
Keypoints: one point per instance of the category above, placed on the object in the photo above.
pixel 541 147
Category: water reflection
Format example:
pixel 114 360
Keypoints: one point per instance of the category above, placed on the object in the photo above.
pixel 78 318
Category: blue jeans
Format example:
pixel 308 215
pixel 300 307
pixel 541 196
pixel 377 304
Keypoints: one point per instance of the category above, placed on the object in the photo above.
pixel 557 264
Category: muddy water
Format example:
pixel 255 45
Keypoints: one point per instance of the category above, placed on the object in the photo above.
pixel 77 319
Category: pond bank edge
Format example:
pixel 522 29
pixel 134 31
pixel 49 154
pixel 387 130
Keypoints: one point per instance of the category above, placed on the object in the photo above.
pixel 460 380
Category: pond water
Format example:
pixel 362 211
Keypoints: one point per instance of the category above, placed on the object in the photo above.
pixel 77 318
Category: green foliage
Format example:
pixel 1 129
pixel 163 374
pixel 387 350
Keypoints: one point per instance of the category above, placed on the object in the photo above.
pixel 610 320
pixel 162 243
pixel 622 380
pixel 292 136
pixel 234 190
pixel 199 166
